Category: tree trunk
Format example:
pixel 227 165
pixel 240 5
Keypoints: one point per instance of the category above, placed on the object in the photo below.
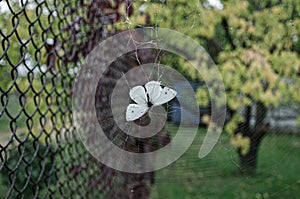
pixel 248 162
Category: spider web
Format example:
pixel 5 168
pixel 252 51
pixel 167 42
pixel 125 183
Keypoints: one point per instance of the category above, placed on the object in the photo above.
pixel 189 173
pixel 42 155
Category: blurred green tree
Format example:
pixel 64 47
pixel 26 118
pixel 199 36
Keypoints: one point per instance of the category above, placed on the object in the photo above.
pixel 256 47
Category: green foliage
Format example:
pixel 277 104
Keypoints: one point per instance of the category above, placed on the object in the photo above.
pixel 254 43
pixel 262 63
pixel 34 92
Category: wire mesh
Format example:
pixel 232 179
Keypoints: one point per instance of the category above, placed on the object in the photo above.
pixel 43 44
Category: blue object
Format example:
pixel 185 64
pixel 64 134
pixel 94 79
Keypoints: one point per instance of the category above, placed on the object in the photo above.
pixel 177 111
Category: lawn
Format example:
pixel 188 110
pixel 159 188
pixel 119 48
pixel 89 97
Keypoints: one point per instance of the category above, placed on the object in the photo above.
pixel 217 176
pixel 14 109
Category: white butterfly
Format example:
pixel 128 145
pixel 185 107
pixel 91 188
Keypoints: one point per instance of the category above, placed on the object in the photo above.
pixel 152 94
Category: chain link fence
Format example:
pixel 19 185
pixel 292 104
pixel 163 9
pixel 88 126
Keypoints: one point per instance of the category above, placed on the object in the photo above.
pixel 43 44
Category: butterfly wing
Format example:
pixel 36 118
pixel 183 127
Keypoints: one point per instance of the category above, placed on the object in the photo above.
pixel 166 95
pixel 135 111
pixel 138 95
pixel 153 89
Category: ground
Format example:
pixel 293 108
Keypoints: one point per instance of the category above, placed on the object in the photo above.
pixel 217 176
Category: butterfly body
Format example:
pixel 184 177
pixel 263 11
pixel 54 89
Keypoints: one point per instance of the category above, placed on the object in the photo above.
pixel 151 94
pixel 149 104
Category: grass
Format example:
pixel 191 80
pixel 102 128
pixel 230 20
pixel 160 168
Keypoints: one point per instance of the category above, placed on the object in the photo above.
pixel 217 175
pixel 13 108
